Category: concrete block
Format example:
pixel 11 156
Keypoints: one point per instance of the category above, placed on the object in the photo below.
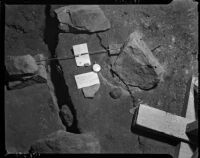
pixel 162 122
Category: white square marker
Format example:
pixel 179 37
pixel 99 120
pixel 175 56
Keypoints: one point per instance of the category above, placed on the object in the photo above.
pixel 83 60
pixel 80 49
pixel 81 55
pixel 86 79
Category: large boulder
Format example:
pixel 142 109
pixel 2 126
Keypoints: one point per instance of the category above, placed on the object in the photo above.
pixel 30 114
pixel 65 142
pixel 25 70
pixel 86 18
pixel 133 65
pixel 25 64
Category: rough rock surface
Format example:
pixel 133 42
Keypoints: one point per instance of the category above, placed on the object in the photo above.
pixel 25 71
pixel 24 30
pixel 89 92
pixel 65 142
pixel 134 73
pixel 42 66
pixel 66 116
pixel 25 64
pixel 87 18
pixel 30 112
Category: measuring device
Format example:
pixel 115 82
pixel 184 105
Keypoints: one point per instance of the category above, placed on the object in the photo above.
pixel 114 49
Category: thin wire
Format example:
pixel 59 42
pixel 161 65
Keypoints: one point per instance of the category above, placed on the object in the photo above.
pixel 72 57
pixel 91 53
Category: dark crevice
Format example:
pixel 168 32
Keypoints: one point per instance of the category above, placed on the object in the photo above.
pixel 57 77
pixel 100 41
pixel 126 85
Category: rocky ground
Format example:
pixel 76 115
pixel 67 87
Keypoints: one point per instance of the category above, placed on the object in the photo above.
pixel 37 115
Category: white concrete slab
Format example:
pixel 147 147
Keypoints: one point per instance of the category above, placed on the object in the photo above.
pixel 162 122
pixel 87 79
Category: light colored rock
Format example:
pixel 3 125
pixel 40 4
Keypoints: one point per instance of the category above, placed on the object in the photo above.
pixel 89 92
pixel 135 42
pixel 88 18
pixel 42 72
pixel 65 142
pixel 114 49
pixel 135 64
pixel 16 65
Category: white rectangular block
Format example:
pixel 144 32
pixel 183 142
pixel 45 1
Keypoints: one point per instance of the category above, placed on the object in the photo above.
pixel 185 149
pixel 83 60
pixel 162 122
pixel 87 79
pixel 80 49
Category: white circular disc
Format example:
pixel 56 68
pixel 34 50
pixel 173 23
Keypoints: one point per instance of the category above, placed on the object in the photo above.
pixel 96 67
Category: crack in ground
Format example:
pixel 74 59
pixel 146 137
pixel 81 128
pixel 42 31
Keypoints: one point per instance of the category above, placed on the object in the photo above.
pixel 141 145
pixel 126 85
pixel 135 104
pixel 116 74
pixel 61 90
pixel 100 41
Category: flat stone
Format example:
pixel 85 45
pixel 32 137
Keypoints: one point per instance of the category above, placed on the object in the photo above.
pixel 142 53
pixel 114 49
pixel 65 142
pixel 89 92
pixel 66 116
pixel 133 67
pixel 88 18
pixel 116 93
pixel 19 76
pixel 25 64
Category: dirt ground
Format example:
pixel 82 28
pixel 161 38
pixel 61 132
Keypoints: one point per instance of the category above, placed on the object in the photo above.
pixel 169 30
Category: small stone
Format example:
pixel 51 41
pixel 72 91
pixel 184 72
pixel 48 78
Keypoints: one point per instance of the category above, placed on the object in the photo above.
pixel 116 93
pixel 17 65
pixel 89 92
pixel 114 49
pixel 66 116
pixel 65 142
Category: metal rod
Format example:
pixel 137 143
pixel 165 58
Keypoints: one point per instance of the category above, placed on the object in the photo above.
pixel 91 53
pixel 72 57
